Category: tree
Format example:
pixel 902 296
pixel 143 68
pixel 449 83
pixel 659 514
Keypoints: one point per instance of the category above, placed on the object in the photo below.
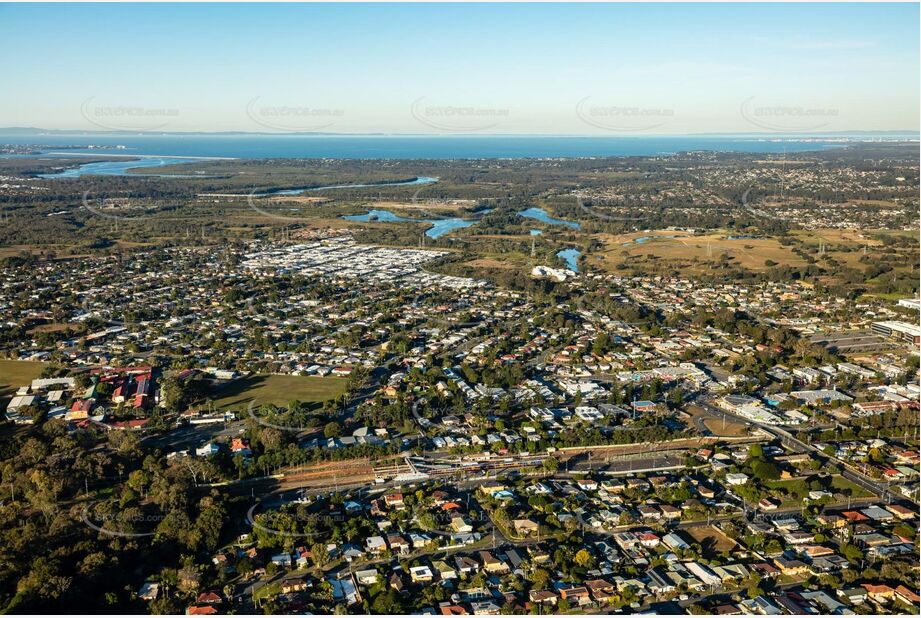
pixel 125 443
pixel 164 605
pixel 319 555
pixel 174 394
pixel 540 578
pixel 189 578
pixel 332 430
pixel 43 581
pixel 583 558
pixel 208 526
pixel 765 471
pixel 755 588
pixel 852 553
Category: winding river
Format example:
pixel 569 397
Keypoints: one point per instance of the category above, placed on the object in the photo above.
pixel 541 215
pixel 120 168
pixel 439 228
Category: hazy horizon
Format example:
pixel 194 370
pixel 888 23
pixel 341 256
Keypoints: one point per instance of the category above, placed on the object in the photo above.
pixel 818 135
pixel 498 69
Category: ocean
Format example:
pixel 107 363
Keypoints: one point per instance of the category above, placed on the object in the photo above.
pixel 414 147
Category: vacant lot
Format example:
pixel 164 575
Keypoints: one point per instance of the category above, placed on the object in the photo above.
pixel 710 539
pixel 14 374
pixel 16 250
pixel 716 425
pixel 840 486
pixel 52 327
pixel 278 390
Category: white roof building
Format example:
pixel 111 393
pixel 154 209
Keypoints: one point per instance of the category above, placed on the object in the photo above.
pixel 736 478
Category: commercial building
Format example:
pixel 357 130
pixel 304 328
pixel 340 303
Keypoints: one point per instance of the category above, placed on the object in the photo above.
pixel 902 331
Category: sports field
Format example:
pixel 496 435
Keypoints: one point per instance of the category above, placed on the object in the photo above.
pixel 277 390
pixel 14 374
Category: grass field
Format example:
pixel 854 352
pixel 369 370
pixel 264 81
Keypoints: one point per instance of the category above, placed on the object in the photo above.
pixel 836 238
pixel 839 485
pixel 14 374
pixel 692 250
pixel 277 390
pixel 884 295
pixel 856 241
pixel 839 482
pixel 854 238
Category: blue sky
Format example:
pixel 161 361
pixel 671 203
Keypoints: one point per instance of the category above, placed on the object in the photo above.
pixel 481 68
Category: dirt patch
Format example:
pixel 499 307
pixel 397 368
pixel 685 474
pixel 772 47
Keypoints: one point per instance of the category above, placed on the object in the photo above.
pixel 424 204
pixel 300 199
pixel 55 327
pixel 716 425
pixel 710 539
pixel 490 263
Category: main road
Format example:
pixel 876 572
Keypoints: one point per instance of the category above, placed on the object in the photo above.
pixel 797 445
